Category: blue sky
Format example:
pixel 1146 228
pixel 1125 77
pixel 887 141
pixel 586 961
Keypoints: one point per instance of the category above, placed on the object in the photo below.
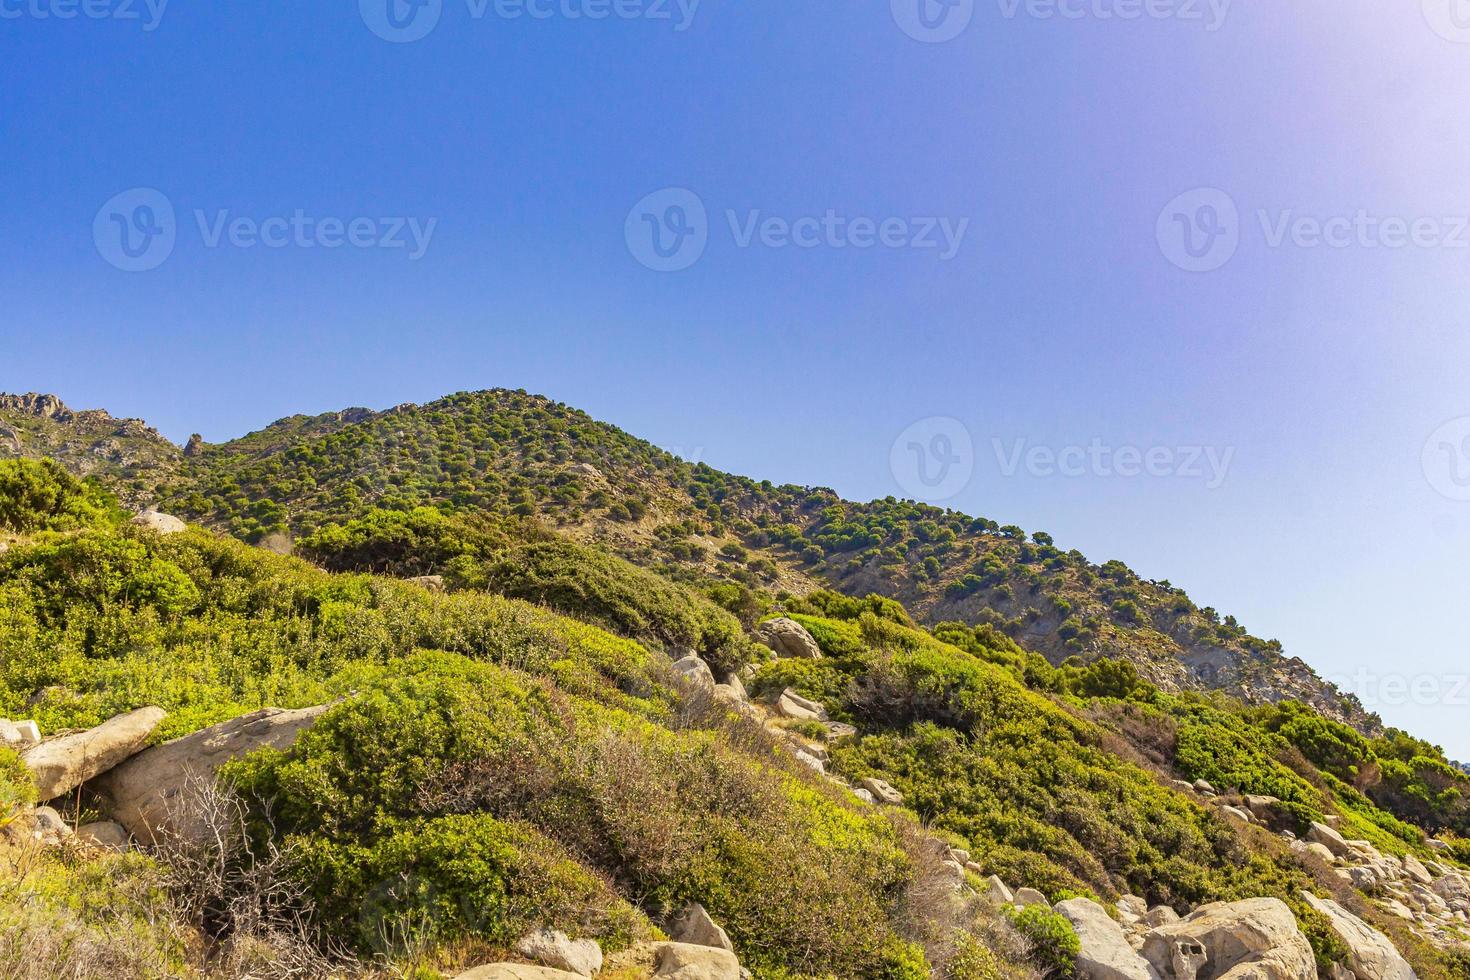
pixel 1310 333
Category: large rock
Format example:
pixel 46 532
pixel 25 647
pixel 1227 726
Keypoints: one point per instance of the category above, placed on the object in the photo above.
pixel 1416 871
pixel 682 961
pixel 557 950
pixel 104 833
pixel 1370 954
pixel 797 708
pixel 882 792
pixel 695 671
pixel 158 523
pixel 1257 939
pixel 1105 953
pixel 696 928
pixel 788 638
pixel 62 764
pixel 1329 838
pixel 517 971
pixel 147 792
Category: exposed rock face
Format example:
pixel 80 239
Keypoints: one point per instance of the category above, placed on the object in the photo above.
pixel 195 446
pixel 788 638
pixel 696 928
pixel 681 961
pixel 1106 954
pixel 41 406
pixel 62 764
pixel 147 792
pixel 1257 939
pixel 548 947
pixel 1371 955
pixel 160 523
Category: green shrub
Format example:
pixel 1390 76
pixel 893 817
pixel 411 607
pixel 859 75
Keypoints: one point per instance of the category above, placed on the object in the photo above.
pixel 1054 943
pixel 42 496
pixel 17 788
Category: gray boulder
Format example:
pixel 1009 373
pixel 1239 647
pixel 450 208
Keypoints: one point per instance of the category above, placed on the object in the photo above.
pixel 1329 838
pixel 558 951
pixel 148 791
pixel 62 764
pixel 1106 954
pixel 104 833
pixel 517 971
pixel 683 961
pixel 788 638
pixel 695 671
pixel 882 792
pixel 1257 939
pixel 696 928
pixel 165 524
pixel 797 708
pixel 1370 954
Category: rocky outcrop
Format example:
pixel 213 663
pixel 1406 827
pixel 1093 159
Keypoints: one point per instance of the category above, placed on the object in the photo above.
pixel 797 708
pixel 681 961
pixel 582 957
pixel 148 791
pixel 1370 953
pixel 1257 939
pixel 788 638
pixel 1106 953
pixel 882 792
pixel 695 671
pixel 62 764
pixel 696 928
pixel 160 523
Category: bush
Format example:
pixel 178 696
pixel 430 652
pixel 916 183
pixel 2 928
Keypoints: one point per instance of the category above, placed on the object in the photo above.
pixel 1054 943
pixel 17 788
pixel 42 496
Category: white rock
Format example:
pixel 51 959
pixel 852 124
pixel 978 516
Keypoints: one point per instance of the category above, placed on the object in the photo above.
pixel 160 523
pixel 1237 813
pixel 1257 938
pixel 62 764
pixel 696 928
pixel 1416 871
pixel 30 732
pixel 1027 897
pixel 104 833
pixel 558 951
pixel 996 892
pixel 1371 955
pixel 1329 838
pixel 1106 954
pixel 797 708
pixel 147 791
pixel 516 971
pixel 788 638
pixel 882 792
pixel 695 671
pixel 682 961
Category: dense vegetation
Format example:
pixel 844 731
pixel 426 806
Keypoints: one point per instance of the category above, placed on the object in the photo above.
pixel 509 454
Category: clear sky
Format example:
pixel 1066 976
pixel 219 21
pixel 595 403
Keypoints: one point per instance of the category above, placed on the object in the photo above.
pixel 1073 227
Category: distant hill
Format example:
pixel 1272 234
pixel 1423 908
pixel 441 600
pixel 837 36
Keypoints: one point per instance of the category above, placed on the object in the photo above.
pixel 515 454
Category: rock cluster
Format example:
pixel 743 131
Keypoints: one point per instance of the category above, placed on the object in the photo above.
pixel 142 788
pixel 700 951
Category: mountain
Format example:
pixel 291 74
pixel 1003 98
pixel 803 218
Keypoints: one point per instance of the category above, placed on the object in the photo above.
pixel 515 454
pixel 477 736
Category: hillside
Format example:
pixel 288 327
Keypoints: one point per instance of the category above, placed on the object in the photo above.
pixel 510 453
pixel 523 761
